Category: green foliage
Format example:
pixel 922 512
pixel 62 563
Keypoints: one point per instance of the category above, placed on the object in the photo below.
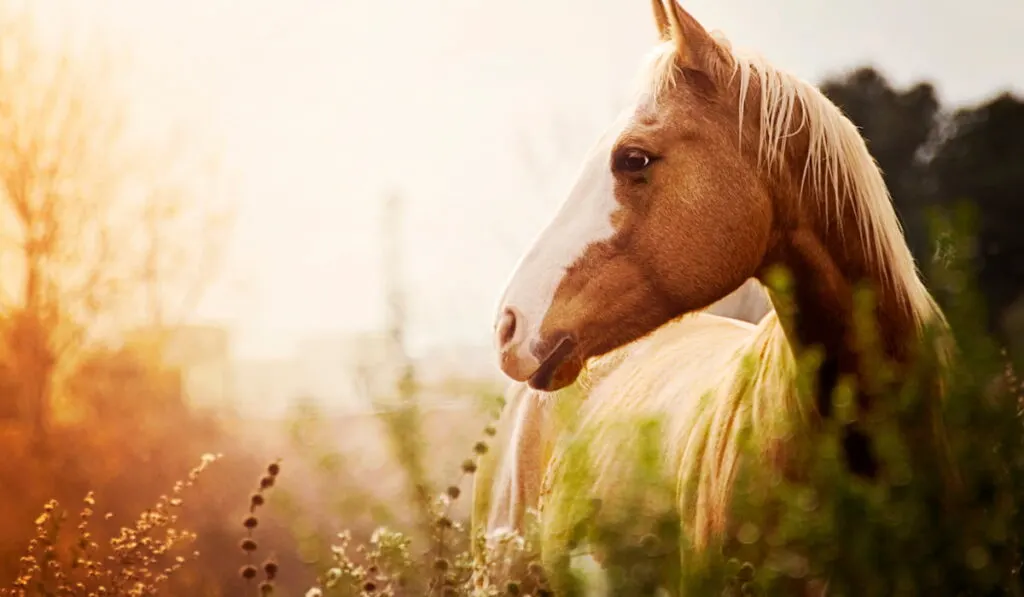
pixel 943 517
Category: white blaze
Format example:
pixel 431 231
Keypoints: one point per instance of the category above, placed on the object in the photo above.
pixel 585 218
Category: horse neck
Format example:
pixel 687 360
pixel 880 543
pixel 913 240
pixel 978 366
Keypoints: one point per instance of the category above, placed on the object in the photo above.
pixel 827 267
pixel 827 262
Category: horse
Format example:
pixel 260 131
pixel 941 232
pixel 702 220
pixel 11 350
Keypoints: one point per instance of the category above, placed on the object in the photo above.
pixel 724 168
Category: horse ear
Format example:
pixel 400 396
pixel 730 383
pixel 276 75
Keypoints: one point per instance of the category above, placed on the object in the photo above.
pixel 694 45
pixel 661 20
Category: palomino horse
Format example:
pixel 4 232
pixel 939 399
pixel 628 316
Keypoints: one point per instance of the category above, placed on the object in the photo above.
pixel 725 168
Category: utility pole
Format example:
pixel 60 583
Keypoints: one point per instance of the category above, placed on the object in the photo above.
pixel 395 299
pixel 403 419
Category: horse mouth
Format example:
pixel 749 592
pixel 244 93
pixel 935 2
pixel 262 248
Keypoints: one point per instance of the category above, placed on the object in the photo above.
pixel 557 370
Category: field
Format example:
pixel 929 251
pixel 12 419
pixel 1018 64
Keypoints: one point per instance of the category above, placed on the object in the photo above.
pixel 333 184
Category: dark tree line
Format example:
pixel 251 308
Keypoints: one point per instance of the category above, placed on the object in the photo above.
pixel 933 156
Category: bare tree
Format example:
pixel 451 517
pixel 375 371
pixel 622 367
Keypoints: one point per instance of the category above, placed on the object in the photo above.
pixel 100 225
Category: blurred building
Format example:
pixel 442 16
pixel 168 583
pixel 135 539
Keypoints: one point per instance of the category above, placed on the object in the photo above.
pixel 265 387
pixel 344 370
pixel 346 373
pixel 201 354
pixel 340 372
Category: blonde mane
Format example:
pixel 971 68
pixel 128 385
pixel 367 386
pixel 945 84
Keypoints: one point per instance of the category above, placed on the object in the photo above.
pixel 664 376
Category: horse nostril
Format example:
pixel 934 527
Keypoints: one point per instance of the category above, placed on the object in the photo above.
pixel 506 327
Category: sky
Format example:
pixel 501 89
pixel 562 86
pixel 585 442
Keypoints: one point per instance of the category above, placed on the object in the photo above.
pixel 476 112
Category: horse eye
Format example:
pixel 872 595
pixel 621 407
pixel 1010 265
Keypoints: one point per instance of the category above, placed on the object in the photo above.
pixel 632 160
